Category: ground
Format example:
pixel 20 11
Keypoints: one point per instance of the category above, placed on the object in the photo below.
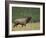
pixel 29 26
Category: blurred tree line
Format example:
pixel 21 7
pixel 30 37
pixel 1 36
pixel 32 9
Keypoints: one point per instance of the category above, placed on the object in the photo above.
pixel 19 12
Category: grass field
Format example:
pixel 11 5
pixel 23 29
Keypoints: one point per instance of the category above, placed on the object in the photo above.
pixel 20 12
pixel 29 26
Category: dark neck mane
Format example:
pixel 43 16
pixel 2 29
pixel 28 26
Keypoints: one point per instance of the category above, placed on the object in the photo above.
pixel 28 19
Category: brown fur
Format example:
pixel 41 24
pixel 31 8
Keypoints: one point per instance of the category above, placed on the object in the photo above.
pixel 27 19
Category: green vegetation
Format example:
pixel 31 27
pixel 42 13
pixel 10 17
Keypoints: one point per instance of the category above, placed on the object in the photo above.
pixel 19 12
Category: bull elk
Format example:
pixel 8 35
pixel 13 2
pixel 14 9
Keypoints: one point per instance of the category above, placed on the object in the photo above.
pixel 22 21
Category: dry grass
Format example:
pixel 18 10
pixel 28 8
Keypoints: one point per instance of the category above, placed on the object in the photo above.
pixel 29 26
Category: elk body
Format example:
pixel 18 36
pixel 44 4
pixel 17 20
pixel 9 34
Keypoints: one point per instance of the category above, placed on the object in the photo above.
pixel 22 21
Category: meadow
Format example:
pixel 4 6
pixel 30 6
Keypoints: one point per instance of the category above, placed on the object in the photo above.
pixel 20 12
pixel 29 26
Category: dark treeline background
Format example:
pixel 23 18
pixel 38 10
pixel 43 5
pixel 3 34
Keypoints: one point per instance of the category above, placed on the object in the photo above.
pixel 20 12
